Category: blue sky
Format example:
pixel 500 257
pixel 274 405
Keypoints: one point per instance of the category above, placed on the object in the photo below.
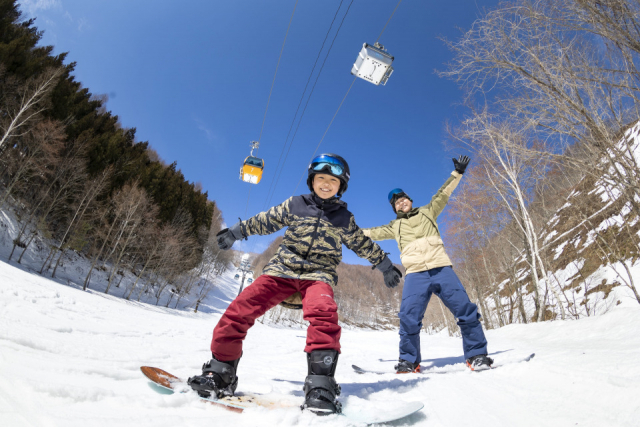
pixel 194 78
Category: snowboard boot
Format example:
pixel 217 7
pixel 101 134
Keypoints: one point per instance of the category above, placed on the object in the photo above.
pixel 406 367
pixel 218 379
pixel 320 388
pixel 479 362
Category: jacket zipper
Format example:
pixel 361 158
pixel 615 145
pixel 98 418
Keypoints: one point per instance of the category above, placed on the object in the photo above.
pixel 314 236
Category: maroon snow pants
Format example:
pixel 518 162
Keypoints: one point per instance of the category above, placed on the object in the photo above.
pixel 318 308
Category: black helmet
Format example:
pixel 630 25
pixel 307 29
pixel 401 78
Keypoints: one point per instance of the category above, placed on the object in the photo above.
pixel 395 194
pixel 331 164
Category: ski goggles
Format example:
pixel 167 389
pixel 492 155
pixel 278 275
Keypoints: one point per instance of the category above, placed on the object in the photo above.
pixel 396 193
pixel 327 163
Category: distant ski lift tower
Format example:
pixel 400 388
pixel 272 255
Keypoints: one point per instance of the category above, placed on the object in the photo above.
pixel 373 64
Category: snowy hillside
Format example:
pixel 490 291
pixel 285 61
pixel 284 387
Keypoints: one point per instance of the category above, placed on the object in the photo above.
pixel 75 267
pixel 71 358
pixel 591 249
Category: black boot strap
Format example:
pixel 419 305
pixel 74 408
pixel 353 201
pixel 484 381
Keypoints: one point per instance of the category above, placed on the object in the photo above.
pixel 322 382
pixel 225 371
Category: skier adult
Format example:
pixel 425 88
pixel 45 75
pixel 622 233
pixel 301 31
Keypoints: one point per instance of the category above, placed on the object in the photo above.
pixel 429 271
pixel 303 268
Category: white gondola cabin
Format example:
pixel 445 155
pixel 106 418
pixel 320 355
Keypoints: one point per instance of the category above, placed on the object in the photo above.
pixel 373 64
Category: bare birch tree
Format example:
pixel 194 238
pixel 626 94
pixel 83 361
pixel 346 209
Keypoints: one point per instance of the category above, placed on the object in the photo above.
pixel 151 239
pixel 82 207
pixel 512 173
pixel 22 103
pixel 136 209
pixel 540 63
pixel 27 161
pixel 65 172
pixel 106 225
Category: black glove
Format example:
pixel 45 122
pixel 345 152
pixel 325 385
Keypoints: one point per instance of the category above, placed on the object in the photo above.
pixel 461 163
pixel 227 237
pixel 391 274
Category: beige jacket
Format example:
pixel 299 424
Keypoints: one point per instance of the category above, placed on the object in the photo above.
pixel 417 234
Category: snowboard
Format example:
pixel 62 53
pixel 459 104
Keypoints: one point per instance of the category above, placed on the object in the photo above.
pixel 363 412
pixel 360 370
pixel 166 383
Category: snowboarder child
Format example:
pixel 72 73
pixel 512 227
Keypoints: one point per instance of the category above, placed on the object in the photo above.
pixel 429 271
pixel 300 274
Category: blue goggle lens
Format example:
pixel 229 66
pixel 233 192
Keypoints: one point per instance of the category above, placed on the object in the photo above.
pixel 335 169
pixel 394 192
pixel 322 162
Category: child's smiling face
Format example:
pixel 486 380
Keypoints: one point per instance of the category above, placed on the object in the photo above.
pixel 325 186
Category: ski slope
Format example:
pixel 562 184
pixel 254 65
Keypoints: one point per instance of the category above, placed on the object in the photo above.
pixel 72 358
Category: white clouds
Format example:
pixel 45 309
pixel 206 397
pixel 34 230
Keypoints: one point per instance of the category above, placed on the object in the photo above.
pixel 208 133
pixel 35 8
pixel 83 24
pixel 31 7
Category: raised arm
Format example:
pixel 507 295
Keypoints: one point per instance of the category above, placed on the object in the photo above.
pixel 440 199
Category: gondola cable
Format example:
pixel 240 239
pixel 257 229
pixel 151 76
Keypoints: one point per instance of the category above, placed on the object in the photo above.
pixel 388 20
pixel 325 132
pixel 308 99
pixel 284 145
pixel 342 102
pixel 271 91
pixel 273 82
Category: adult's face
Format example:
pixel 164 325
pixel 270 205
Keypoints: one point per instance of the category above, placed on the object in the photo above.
pixel 403 205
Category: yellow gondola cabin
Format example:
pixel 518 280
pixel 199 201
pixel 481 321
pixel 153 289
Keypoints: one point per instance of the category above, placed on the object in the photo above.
pixel 251 170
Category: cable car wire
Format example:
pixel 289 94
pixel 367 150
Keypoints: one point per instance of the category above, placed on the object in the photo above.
pixel 271 90
pixel 343 99
pixel 388 20
pixel 325 133
pixel 246 207
pixel 284 145
pixel 309 98
pixel 273 82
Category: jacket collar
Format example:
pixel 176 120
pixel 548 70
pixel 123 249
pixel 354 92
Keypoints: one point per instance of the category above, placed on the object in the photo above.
pixel 412 212
pixel 324 204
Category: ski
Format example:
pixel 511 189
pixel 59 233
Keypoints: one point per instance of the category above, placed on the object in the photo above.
pixel 463 368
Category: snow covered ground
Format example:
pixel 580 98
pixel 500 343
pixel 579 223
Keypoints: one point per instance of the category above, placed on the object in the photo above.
pixel 72 358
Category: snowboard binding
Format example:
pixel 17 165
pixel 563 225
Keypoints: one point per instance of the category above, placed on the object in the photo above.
pixel 479 362
pixel 218 379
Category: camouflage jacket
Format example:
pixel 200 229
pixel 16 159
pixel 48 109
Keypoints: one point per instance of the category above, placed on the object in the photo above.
pixel 312 245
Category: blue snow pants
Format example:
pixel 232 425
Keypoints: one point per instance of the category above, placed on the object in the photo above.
pixel 418 288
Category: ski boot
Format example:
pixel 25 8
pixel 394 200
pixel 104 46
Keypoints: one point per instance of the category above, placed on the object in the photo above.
pixel 406 367
pixel 479 362
pixel 218 379
pixel 320 388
